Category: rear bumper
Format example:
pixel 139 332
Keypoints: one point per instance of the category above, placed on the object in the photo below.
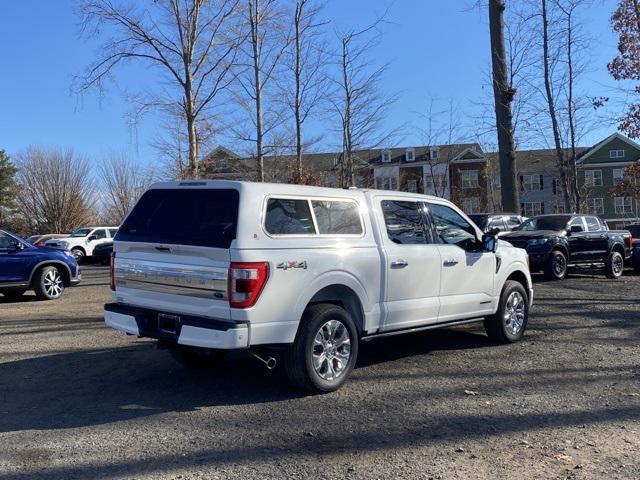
pixel 182 329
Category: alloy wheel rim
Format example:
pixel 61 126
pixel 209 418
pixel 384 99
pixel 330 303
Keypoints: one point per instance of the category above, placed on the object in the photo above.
pixel 617 264
pixel 559 265
pixel 53 283
pixel 514 313
pixel 331 350
pixel 77 254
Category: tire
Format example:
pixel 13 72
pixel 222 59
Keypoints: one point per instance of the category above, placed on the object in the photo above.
pixel 13 293
pixel 316 360
pixel 614 266
pixel 509 323
pixel 556 266
pixel 197 358
pixel 78 254
pixel 48 283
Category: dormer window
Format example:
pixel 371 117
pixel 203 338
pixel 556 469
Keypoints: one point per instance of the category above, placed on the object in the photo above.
pixel 386 156
pixel 410 155
pixel 434 153
pixel 616 153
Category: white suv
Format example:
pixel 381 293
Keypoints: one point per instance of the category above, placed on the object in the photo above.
pixel 210 266
pixel 82 241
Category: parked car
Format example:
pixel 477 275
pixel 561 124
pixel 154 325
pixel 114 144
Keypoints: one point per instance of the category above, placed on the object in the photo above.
pixel 211 266
pixel 24 267
pixel 102 253
pixel 635 257
pixel 499 222
pixel 82 241
pixel 555 242
pixel 39 240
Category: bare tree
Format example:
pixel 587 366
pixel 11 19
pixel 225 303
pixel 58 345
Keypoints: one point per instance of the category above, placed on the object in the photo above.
pixel 266 40
pixel 122 182
pixel 306 62
pixel 192 42
pixel 503 96
pixel 360 104
pixel 54 190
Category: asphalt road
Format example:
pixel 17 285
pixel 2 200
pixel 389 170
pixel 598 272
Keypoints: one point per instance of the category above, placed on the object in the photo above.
pixel 78 400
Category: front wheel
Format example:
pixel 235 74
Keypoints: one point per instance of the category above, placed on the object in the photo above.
pixel 48 283
pixel 508 324
pixel 614 266
pixel 325 349
pixel 78 254
pixel 556 266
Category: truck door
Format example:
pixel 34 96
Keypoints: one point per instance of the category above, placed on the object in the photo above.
pixel 411 264
pixel 467 272
pixel 597 240
pixel 578 240
pixel 13 263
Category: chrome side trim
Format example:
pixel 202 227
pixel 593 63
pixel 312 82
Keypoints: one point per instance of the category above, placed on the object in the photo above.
pixel 172 279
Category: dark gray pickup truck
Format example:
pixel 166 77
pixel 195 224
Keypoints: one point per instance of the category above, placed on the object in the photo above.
pixel 555 242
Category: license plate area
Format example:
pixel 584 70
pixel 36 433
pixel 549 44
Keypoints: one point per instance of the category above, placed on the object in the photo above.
pixel 168 323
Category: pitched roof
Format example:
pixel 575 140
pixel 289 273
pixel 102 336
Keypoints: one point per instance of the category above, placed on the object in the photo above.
pixel 540 160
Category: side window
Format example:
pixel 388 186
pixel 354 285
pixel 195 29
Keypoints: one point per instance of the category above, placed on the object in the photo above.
pixel 7 242
pixel 593 224
pixel 112 232
pixel 452 228
pixel 99 234
pixel 288 217
pixel 577 222
pixel 404 222
pixel 337 217
pixel 497 223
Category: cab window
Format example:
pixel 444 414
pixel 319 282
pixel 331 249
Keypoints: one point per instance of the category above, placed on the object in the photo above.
pixel 577 222
pixel 593 224
pixel 99 234
pixel 112 232
pixel 404 221
pixel 451 227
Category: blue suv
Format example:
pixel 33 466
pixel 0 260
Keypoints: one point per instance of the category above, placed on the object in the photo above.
pixel 45 270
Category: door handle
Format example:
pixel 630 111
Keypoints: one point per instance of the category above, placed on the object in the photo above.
pixel 400 263
pixel 450 262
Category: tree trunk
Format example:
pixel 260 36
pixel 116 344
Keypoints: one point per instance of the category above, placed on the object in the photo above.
pixel 348 178
pixel 562 164
pixel 297 105
pixel 255 40
pixel 503 96
pixel 573 171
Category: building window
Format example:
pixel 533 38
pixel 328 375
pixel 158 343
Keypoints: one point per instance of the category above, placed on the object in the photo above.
pixel 531 182
pixel 616 153
pixel 386 156
pixel 412 186
pixel 470 179
pixel 471 205
pixel 593 178
pixel 557 186
pixel 386 183
pixel 595 206
pixel 497 182
pixel 434 153
pixel 618 175
pixel 410 155
pixel 531 209
pixel 623 204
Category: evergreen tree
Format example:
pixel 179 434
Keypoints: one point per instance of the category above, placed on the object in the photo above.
pixel 7 186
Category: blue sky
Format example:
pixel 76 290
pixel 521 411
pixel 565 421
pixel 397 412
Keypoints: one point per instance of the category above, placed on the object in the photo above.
pixel 436 49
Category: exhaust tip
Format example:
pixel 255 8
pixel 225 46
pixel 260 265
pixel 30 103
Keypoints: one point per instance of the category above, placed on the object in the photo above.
pixel 271 363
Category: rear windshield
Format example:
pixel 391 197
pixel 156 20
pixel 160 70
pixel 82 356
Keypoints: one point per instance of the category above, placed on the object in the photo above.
pixel 206 218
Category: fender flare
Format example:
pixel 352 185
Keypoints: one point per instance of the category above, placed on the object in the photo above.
pixel 47 263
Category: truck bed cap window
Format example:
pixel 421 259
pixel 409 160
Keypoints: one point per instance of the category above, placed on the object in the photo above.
pixel 286 216
pixel 200 217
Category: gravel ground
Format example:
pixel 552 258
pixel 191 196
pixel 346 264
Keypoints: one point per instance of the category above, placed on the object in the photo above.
pixel 78 400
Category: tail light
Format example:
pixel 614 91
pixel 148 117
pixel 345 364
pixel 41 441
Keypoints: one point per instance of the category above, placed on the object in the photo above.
pixel 630 242
pixel 246 281
pixel 112 271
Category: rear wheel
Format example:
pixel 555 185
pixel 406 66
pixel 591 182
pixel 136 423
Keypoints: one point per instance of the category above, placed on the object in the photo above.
pixel 48 283
pixel 13 293
pixel 194 357
pixel 614 266
pixel 556 266
pixel 508 324
pixel 325 349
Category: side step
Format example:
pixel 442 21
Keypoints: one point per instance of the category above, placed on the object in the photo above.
pixel 433 326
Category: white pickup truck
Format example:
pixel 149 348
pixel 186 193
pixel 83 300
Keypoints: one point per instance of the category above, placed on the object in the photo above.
pixel 82 241
pixel 206 267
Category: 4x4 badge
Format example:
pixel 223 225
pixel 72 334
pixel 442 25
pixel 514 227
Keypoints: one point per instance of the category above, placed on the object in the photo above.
pixel 292 264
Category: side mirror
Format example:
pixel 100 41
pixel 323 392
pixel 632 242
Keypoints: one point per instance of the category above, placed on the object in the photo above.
pixel 576 229
pixel 494 231
pixel 92 238
pixel 489 243
pixel 19 246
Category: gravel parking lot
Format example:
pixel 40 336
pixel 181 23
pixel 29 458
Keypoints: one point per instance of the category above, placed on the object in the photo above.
pixel 78 400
